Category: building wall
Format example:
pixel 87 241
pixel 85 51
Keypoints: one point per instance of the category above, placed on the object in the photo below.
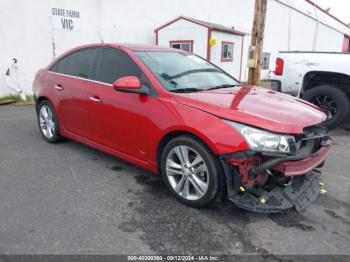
pixel 299 28
pixel 185 30
pixel 232 67
pixel 32 34
pixel 27 34
pixel 328 39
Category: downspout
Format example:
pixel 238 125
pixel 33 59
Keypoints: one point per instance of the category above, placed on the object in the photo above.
pixel 316 30
pixel 289 28
pixel 53 44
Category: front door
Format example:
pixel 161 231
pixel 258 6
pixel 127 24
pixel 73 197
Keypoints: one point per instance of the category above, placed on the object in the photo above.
pixel 119 120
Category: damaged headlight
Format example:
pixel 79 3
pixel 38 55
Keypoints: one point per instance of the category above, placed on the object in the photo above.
pixel 261 140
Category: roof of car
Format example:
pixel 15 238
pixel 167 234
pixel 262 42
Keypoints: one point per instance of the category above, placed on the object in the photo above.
pixel 132 47
pixel 139 47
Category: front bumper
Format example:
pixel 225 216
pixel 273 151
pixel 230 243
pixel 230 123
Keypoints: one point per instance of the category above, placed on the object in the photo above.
pixel 304 166
pixel 279 199
pixel 250 173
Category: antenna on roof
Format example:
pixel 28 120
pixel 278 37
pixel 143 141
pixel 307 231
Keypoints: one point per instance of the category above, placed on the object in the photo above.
pixel 99 36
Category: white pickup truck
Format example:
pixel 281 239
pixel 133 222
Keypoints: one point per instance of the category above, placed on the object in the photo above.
pixel 322 78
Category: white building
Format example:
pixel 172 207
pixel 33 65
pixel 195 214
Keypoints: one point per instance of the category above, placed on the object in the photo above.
pixel 217 43
pixel 34 32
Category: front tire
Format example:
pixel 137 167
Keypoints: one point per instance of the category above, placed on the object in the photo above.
pixel 190 171
pixel 333 100
pixel 48 122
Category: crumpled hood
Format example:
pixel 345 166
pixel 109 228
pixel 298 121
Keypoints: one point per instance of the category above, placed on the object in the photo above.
pixel 256 106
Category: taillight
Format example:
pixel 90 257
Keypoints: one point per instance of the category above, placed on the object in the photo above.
pixel 279 66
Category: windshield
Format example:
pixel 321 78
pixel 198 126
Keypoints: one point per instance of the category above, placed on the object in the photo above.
pixel 185 72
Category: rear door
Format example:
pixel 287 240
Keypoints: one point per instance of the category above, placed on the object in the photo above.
pixel 120 120
pixel 73 88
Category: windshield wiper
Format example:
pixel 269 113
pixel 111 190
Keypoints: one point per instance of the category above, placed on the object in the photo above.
pixel 203 70
pixel 222 86
pixel 185 90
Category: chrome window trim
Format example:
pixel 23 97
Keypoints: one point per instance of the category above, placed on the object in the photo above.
pixel 81 78
pixel 103 83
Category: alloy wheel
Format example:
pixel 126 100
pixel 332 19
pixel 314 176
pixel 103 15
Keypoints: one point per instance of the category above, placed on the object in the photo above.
pixel 47 123
pixel 187 172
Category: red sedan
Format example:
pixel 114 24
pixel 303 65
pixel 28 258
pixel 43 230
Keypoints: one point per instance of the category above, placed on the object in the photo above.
pixel 176 114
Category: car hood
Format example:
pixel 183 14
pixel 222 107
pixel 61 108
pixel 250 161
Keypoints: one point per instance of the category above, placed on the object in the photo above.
pixel 256 106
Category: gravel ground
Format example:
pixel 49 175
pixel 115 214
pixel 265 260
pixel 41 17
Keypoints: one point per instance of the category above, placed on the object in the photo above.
pixel 68 198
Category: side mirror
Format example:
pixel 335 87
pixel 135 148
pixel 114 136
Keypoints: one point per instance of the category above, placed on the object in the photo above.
pixel 130 84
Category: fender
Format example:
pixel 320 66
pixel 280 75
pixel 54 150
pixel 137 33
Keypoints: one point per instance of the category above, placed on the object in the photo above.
pixel 217 134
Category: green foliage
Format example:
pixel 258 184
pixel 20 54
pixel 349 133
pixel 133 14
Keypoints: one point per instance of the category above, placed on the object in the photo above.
pixel 17 100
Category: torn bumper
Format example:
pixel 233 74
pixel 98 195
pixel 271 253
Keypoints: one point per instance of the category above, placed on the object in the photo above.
pixel 304 166
pixel 252 175
pixel 280 199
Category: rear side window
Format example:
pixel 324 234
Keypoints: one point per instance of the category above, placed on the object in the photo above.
pixel 54 68
pixel 115 64
pixel 60 66
pixel 81 63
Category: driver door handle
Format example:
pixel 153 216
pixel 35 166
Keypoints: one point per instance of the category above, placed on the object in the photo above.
pixel 58 87
pixel 95 99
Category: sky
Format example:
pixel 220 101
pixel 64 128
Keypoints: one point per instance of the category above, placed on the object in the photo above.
pixel 338 8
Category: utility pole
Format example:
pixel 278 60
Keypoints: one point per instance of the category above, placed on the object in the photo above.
pixel 255 50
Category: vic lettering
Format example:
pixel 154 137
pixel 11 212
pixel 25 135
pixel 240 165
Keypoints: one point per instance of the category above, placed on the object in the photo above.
pixel 67 24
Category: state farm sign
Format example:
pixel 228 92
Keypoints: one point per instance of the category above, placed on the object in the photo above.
pixel 65 19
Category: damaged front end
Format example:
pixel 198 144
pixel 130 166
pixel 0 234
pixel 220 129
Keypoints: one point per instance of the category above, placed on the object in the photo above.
pixel 273 182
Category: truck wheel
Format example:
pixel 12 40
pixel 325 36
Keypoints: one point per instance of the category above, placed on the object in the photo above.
pixel 333 100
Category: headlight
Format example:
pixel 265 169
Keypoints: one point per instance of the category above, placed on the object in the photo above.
pixel 261 140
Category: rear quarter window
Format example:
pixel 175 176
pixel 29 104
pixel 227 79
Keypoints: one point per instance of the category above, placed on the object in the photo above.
pixel 80 63
pixel 60 66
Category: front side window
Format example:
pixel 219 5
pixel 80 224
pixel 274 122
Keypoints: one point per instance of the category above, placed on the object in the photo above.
pixel 115 64
pixel 81 63
pixel 227 51
pixel 182 45
pixel 182 71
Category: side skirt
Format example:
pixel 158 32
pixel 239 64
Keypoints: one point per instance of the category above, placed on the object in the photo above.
pixel 143 164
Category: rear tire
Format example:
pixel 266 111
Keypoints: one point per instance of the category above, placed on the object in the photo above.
pixel 48 122
pixel 194 180
pixel 332 99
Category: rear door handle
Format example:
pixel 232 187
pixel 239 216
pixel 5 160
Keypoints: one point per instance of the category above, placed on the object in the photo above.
pixel 95 99
pixel 58 87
